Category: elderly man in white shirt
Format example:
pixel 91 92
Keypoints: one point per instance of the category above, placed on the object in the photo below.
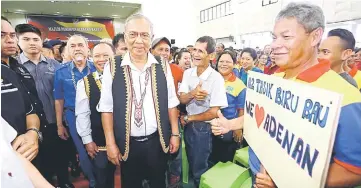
pixel 202 90
pixel 138 104
pixel 88 119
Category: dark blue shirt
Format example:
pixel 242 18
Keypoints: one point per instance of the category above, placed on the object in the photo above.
pixel 65 85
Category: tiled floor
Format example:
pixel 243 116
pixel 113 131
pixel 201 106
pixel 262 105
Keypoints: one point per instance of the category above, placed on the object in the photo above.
pixel 81 182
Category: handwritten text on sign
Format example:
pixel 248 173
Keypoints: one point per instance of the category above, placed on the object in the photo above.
pixel 297 122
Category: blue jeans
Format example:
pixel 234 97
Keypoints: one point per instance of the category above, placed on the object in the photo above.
pixel 84 159
pixel 198 140
pixel 103 170
pixel 175 162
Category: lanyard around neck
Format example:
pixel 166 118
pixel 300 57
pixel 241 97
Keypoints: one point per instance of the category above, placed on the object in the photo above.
pixel 73 76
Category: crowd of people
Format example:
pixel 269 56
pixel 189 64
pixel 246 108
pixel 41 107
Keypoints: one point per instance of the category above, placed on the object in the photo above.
pixel 129 101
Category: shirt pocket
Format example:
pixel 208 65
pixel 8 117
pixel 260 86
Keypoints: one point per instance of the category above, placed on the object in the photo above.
pixel 68 83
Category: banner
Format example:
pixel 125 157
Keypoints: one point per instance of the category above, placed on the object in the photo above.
pixel 291 127
pixel 93 29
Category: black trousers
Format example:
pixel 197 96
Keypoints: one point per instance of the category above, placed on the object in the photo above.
pixel 146 160
pixel 104 170
pixel 54 156
pixel 223 151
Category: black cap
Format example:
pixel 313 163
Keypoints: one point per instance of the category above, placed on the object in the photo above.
pixel 52 43
pixel 156 42
pixel 47 45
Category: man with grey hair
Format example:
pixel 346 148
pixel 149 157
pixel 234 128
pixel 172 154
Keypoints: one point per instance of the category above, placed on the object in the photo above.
pixel 65 84
pixel 297 32
pixel 132 84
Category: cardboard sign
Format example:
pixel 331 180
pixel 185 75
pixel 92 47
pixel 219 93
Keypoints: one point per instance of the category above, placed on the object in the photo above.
pixel 291 127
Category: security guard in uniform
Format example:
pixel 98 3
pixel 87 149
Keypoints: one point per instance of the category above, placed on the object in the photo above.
pixel 16 106
pixel 65 82
pixel 42 70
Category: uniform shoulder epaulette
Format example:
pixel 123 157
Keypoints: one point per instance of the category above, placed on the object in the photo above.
pixel 65 64
pixel 62 66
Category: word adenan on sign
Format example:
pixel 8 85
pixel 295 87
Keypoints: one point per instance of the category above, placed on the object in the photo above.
pixel 295 147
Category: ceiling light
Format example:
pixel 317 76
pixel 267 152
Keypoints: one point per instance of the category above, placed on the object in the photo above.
pixel 19 10
pixel 88 3
pixel 52 1
pixel 115 15
pixel 57 12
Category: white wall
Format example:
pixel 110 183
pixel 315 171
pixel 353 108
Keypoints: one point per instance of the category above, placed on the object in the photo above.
pixel 174 19
pixel 118 25
pixel 15 19
pixel 217 28
pixel 250 18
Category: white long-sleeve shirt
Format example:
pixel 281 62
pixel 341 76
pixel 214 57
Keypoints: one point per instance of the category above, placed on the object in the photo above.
pixel 82 112
pixel 138 76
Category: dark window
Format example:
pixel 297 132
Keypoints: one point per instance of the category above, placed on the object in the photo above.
pixel 206 18
pixel 210 14
pixel 217 11
pixel 214 10
pixel 202 16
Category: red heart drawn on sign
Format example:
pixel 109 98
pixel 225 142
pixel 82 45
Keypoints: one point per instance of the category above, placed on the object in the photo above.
pixel 259 115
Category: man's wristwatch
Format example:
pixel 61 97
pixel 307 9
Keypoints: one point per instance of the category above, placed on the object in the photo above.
pixel 185 118
pixel 176 135
pixel 40 135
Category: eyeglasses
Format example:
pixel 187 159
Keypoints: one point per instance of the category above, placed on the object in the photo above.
pixel 143 35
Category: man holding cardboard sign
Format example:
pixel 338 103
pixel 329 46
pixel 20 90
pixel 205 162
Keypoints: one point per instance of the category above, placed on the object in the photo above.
pixel 297 33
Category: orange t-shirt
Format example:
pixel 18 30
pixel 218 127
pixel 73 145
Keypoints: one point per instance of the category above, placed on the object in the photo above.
pixel 177 74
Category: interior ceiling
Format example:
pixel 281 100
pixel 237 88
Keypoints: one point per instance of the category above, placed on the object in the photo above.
pixel 101 9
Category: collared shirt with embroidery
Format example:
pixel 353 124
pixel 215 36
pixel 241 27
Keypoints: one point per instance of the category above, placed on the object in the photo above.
pixel 82 111
pixel 43 74
pixel 212 82
pixel 66 78
pixel 138 76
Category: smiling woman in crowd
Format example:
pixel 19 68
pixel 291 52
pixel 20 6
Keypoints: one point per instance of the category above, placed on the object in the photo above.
pixel 183 59
pixel 262 61
pixel 248 60
pixel 225 146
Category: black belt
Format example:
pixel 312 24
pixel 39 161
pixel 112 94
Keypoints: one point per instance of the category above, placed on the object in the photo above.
pixel 144 138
